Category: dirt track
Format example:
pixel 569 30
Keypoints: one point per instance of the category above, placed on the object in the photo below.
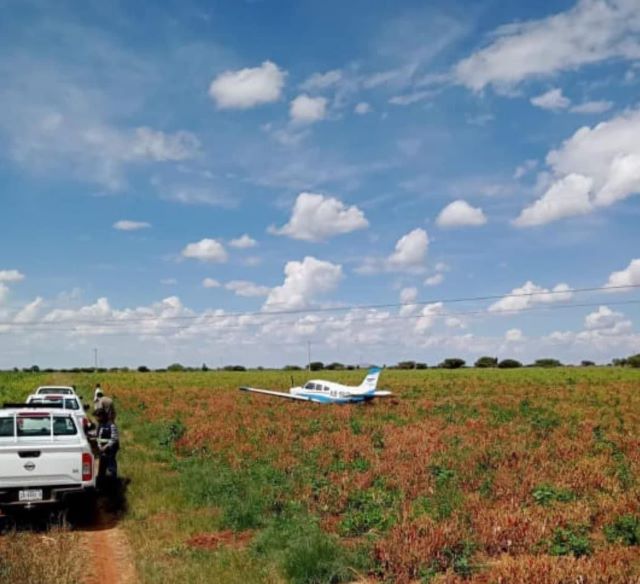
pixel 111 558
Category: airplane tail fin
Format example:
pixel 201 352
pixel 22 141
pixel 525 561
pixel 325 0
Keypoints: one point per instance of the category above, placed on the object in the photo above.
pixel 371 380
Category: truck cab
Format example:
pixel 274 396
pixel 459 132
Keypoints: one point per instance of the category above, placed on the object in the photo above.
pixel 45 458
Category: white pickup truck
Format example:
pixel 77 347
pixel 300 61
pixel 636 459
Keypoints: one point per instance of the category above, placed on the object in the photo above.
pixel 45 458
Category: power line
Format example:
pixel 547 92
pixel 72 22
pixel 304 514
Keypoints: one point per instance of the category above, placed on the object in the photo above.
pixel 323 309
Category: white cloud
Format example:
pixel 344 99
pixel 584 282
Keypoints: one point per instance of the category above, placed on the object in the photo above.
pixel 434 280
pixel 210 283
pixel 247 289
pixel 592 107
pixel 529 295
pixel 29 312
pixel 566 197
pixel 551 100
pixel 594 168
pixel 513 335
pixel 460 214
pixel 316 217
pixel 362 108
pixel 411 251
pixel 428 316
pixel 304 281
pixel 319 81
pixel 243 242
pixel 127 225
pixel 206 250
pixel 169 281
pixel 247 88
pixel 409 255
pixel 408 295
pixel 11 276
pixel 525 168
pixel 605 319
pixel 151 144
pixel 630 276
pixel 307 110
pixel 590 32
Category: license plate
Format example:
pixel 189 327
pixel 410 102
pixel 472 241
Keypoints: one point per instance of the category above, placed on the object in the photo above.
pixel 30 495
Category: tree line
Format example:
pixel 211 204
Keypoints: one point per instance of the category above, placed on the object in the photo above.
pixel 449 363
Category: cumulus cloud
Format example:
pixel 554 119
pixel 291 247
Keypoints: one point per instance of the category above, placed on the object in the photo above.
pixel 127 225
pixel 307 110
pixel 304 281
pixel 362 108
pixel 11 276
pixel 410 251
pixel 210 283
pixel 551 100
pixel 247 88
pixel 605 319
pixel 530 295
pixel 319 81
pixel 513 335
pixel 243 242
pixel 409 255
pixel 247 289
pixel 630 276
pixel 596 167
pixel 524 168
pixel 206 250
pixel 316 218
pixel 592 31
pixel 428 316
pixel 434 280
pixel 407 297
pixel 461 214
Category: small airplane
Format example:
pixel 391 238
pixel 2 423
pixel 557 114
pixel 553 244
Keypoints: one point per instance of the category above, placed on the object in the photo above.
pixel 330 392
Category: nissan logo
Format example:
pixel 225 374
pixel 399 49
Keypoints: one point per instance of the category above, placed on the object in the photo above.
pixel 29 466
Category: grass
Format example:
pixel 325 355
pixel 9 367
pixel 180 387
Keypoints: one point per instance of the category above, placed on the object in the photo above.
pixel 467 475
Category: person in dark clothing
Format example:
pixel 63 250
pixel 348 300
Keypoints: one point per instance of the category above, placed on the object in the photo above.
pixel 108 446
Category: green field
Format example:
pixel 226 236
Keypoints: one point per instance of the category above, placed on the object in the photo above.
pixel 528 475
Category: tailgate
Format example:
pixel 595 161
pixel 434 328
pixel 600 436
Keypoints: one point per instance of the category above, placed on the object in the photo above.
pixel 40 465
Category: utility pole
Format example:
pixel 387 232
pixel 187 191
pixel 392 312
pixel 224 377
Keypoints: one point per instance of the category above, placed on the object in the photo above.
pixel 309 355
pixel 95 358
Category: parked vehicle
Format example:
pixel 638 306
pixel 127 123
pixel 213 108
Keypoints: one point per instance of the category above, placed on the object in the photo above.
pixel 72 403
pixel 45 458
pixel 55 389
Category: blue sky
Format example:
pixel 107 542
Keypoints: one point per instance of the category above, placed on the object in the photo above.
pixel 192 181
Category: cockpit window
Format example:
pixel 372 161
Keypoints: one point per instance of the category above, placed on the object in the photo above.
pixel 310 386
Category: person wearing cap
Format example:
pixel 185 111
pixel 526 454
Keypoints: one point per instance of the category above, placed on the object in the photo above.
pixel 108 445
pixel 103 402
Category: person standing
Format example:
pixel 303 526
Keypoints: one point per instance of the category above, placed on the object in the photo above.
pixel 104 403
pixel 108 445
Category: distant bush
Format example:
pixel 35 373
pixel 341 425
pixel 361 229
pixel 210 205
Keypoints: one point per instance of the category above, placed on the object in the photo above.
pixel 316 366
pixel 234 368
pixel 175 367
pixel 634 360
pixel 484 362
pixel 406 365
pixel 587 363
pixel 509 364
pixel 291 368
pixel 143 369
pixel 452 363
pixel 335 366
pixel 547 363
pixel 422 366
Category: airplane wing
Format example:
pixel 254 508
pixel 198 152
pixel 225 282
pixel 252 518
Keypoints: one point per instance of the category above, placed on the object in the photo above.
pixel 274 393
pixel 382 393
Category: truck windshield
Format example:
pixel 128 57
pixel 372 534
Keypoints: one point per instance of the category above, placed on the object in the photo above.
pixel 38 425
pixel 6 427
